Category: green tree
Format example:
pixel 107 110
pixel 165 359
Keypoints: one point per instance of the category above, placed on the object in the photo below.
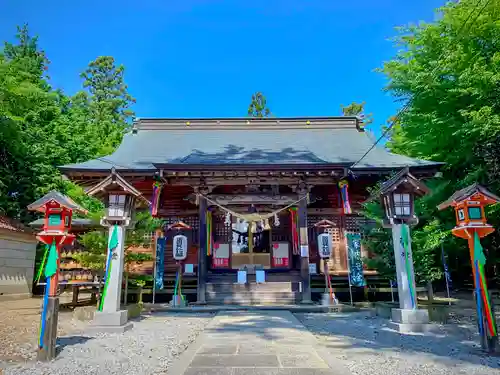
pixel 28 108
pixel 258 106
pixel 96 246
pixel 358 110
pixel 108 101
pixel 448 73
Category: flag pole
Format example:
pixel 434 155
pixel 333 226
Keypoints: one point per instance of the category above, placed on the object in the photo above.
pixel 154 266
pixel 446 274
pixel 348 269
pixel 392 290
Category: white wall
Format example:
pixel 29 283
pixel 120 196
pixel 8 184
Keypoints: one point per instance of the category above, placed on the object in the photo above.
pixel 17 262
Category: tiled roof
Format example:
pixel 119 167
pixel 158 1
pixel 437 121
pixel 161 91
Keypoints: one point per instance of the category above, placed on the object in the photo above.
pixel 13 225
pixel 333 141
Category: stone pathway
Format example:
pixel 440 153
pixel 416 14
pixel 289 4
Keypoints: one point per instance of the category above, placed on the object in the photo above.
pixel 255 343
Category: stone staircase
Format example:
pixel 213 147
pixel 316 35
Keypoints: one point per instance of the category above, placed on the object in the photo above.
pixel 279 289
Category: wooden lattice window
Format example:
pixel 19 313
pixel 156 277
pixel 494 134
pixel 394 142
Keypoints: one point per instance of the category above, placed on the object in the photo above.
pixel 148 237
pixel 357 224
pixel 223 232
pixel 283 232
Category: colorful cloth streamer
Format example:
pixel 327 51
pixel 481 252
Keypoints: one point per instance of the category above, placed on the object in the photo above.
pixel 42 265
pixel 344 196
pixel 50 270
pixel 155 200
pixel 482 289
pixel 209 233
pixel 44 313
pixel 407 261
pixel 113 244
pixel 294 218
pixel 51 267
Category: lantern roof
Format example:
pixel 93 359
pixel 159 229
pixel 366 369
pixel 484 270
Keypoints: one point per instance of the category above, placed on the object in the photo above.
pixel 54 196
pixel 179 225
pixel 406 179
pixel 467 193
pixel 324 224
pixel 115 182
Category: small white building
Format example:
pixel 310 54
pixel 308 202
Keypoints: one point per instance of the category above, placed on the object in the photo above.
pixel 17 260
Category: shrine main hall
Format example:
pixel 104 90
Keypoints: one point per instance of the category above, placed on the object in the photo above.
pixel 253 194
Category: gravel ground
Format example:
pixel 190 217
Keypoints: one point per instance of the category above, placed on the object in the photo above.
pixel 365 345
pixel 20 325
pixel 149 348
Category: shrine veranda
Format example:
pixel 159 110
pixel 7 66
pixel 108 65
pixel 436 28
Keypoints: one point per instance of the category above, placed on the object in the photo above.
pixel 251 193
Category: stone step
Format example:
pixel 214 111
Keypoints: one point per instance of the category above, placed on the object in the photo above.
pixel 264 287
pixel 252 297
pixel 243 302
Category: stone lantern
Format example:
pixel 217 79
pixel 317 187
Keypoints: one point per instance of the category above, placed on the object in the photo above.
pixel 120 199
pixel 398 196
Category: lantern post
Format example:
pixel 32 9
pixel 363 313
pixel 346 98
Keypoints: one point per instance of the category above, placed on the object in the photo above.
pixel 325 243
pixel 179 253
pixel 398 195
pixel 471 225
pixel 120 199
pixel 58 210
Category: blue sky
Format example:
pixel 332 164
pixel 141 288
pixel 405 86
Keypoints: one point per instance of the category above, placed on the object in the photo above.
pixel 201 58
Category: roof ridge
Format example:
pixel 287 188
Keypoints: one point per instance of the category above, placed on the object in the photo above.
pixel 245 123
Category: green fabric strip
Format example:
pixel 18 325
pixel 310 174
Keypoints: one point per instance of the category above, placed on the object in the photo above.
pixel 113 244
pixel 51 266
pixel 405 234
pixel 40 269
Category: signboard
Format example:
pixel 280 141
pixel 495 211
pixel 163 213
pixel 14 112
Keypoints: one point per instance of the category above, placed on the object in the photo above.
pixel 281 254
pixel 180 247
pixel 325 245
pixel 312 269
pixel 220 257
pixel 304 251
pixel 355 260
pixel 242 277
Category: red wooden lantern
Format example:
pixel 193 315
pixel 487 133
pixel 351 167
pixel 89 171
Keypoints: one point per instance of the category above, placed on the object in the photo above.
pixel 58 210
pixel 469 206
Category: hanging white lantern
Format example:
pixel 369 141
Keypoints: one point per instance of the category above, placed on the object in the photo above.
pixel 276 220
pixel 325 245
pixel 180 247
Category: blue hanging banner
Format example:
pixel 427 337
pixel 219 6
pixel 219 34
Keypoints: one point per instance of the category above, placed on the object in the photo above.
pixel 160 262
pixel 355 262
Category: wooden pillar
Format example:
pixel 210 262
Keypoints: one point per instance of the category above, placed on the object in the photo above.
pixel 304 246
pixel 202 252
pixel 47 345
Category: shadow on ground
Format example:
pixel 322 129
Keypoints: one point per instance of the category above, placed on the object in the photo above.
pixel 350 332
pixel 63 342
pixel 267 325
